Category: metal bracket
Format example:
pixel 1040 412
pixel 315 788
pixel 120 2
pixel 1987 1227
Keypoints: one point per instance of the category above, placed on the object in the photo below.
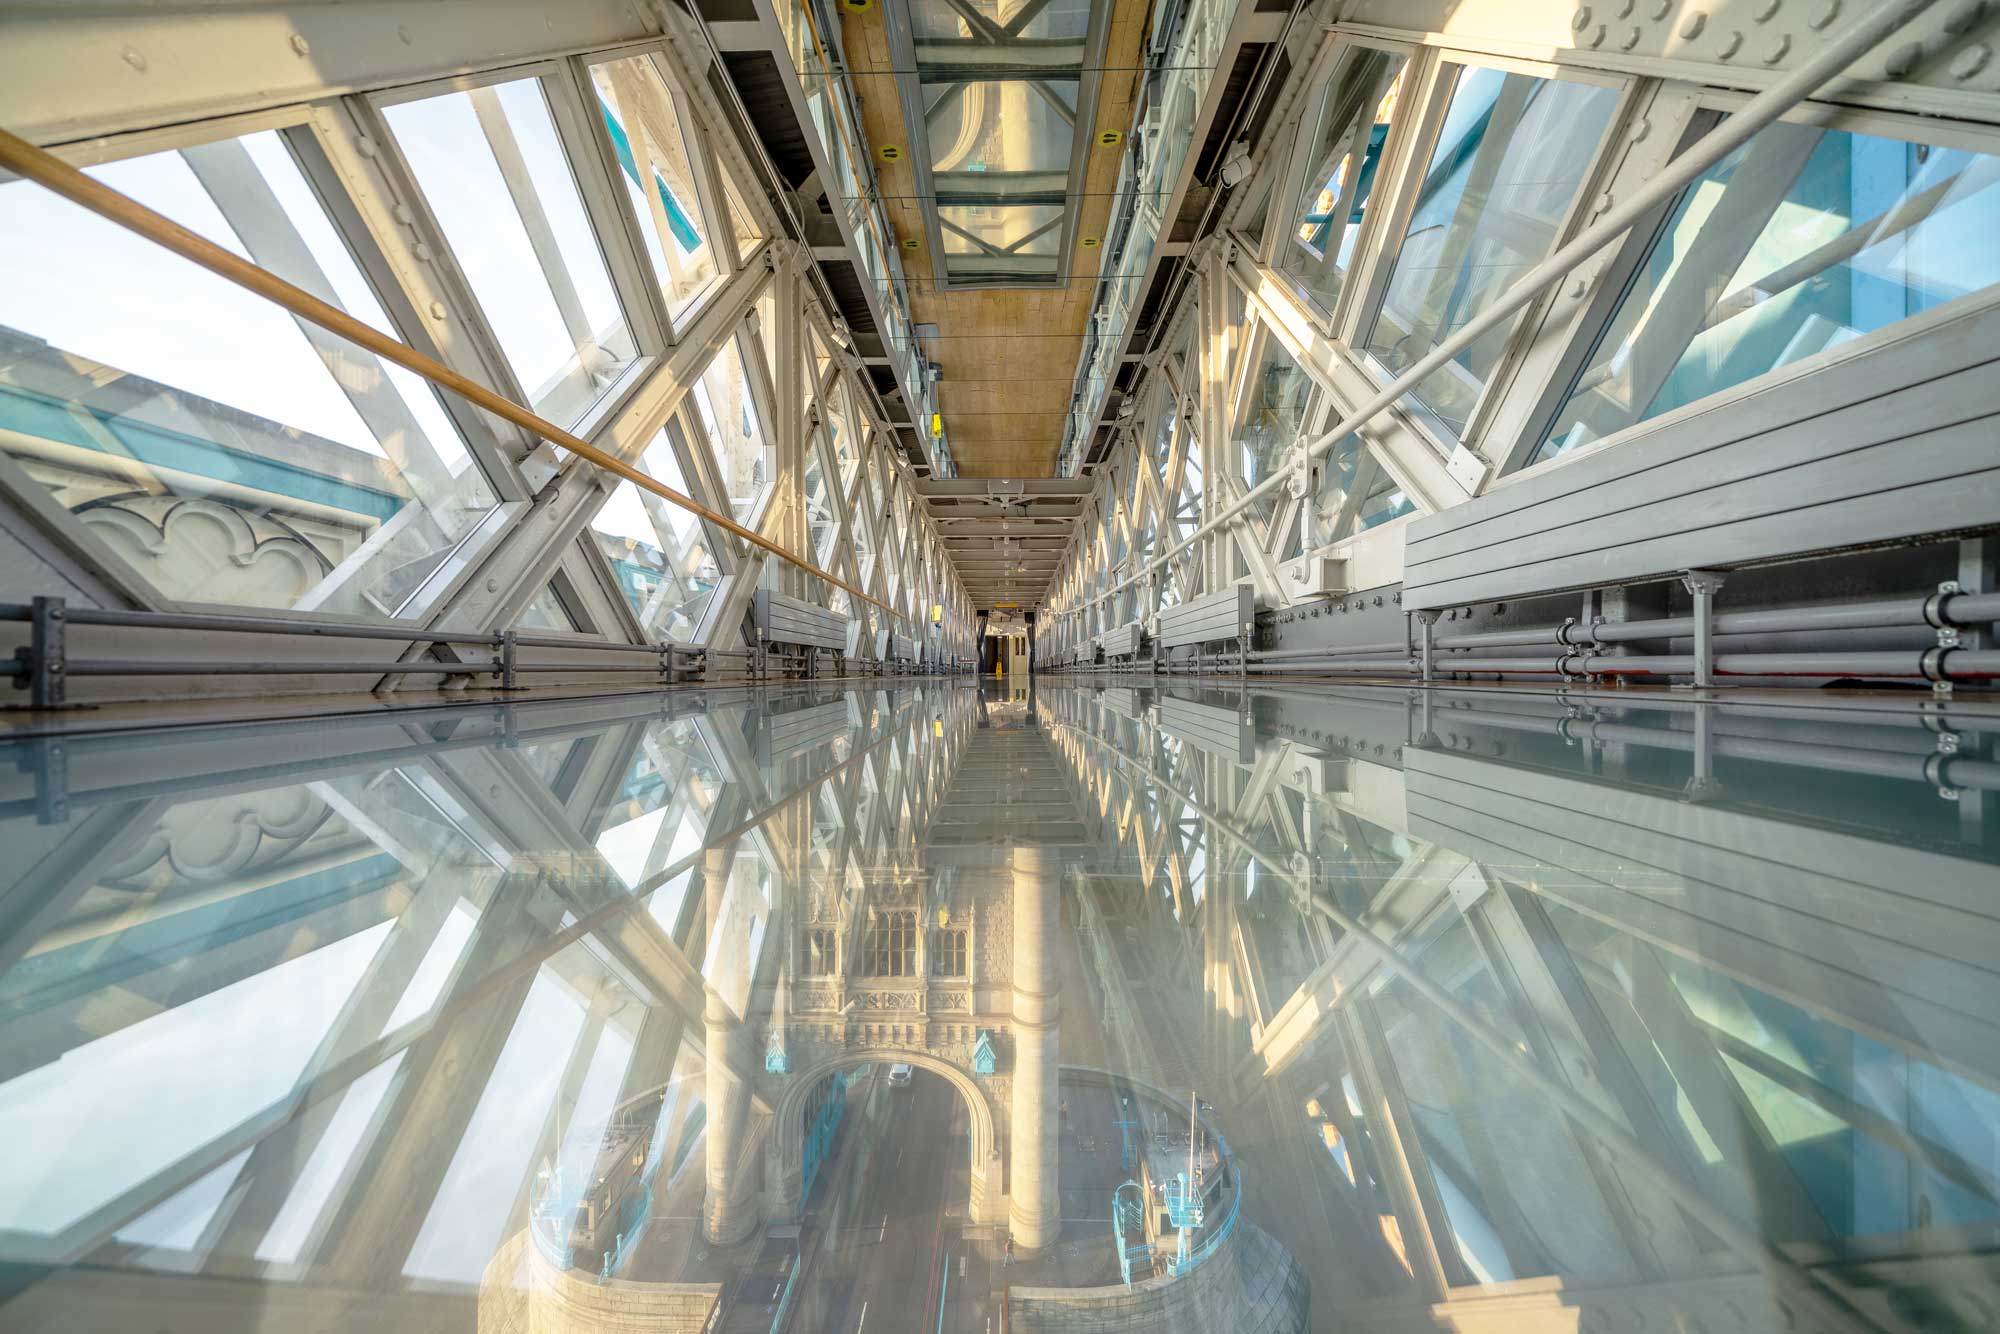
pixel 1939 762
pixel 47 656
pixel 1947 639
pixel 1426 633
pixel 1702 586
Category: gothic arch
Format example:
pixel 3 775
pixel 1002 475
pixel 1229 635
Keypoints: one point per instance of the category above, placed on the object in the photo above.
pixel 788 1143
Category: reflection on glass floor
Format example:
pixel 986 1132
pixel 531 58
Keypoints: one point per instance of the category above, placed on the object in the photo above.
pixel 1501 1010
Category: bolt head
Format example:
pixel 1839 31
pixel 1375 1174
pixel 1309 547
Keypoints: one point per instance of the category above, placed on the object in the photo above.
pixel 300 44
pixel 1692 25
pixel 1730 46
pixel 1970 61
pixel 132 57
pixel 1822 13
pixel 1777 50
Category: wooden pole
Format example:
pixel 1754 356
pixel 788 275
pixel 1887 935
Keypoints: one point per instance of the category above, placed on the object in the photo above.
pixel 44 168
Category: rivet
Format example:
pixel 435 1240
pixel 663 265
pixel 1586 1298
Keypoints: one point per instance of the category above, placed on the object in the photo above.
pixel 1822 13
pixel 1777 50
pixel 1596 37
pixel 1577 288
pixel 1961 19
pixel 1764 10
pixel 1581 19
pixel 1970 61
pixel 1604 201
pixel 1692 25
pixel 132 57
pixel 364 145
pixel 437 310
pixel 422 252
pixel 1730 45
pixel 1661 8
pixel 401 213
pixel 1630 40
pixel 403 35
pixel 300 44
pixel 1640 129
pixel 1625 9
pixel 1903 59
pixel 493 585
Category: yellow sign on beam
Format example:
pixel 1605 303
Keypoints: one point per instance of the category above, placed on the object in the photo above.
pixel 937 425
pixel 891 153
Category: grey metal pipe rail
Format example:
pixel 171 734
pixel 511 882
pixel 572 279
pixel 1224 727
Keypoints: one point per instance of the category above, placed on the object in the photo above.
pixel 1935 611
pixel 45 665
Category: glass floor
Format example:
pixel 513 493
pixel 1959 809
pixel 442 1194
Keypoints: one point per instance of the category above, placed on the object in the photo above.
pixel 958 1006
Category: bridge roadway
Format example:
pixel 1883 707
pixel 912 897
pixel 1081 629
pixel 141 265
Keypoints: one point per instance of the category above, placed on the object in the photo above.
pixel 884 1232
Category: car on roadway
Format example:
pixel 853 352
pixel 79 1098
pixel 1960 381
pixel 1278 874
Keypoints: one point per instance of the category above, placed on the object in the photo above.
pixel 899 1076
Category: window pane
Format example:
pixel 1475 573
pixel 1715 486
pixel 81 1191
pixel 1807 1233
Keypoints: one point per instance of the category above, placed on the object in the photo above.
pixel 819 503
pixel 546 612
pixel 658 551
pixel 1801 239
pixel 729 416
pixel 658 176
pixel 228 452
pixel 998 240
pixel 741 223
pixel 1009 126
pixel 1511 155
pixel 494 174
pixel 1355 493
pixel 1280 394
pixel 1340 171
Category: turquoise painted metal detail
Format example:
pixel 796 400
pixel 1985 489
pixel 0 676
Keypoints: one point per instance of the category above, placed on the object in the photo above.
pixel 1128 1153
pixel 776 1060
pixel 678 221
pixel 1128 1227
pixel 983 1056
pixel 819 1138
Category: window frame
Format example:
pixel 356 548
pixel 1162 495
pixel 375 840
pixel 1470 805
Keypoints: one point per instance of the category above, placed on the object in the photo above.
pixel 625 264
pixel 1392 171
pixel 317 146
pixel 702 157
pixel 1363 301
pixel 1569 330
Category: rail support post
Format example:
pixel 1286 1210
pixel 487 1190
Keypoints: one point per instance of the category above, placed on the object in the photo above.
pixel 1426 647
pixel 1702 586
pixel 509 665
pixel 47 656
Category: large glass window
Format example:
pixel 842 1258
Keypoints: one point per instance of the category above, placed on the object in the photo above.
pixel 228 452
pixel 728 411
pixel 1511 155
pixel 495 176
pixel 658 174
pixel 1355 493
pixel 1801 239
pixel 658 551
pixel 1346 150
pixel 1280 394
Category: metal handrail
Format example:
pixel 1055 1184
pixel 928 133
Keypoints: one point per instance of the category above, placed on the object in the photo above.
pixel 1759 112
pixel 46 169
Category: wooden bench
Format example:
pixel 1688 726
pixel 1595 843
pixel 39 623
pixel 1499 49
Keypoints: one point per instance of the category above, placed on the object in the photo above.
pixel 1228 615
pixel 788 620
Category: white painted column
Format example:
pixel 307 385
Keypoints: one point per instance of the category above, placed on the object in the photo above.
pixel 1035 1202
